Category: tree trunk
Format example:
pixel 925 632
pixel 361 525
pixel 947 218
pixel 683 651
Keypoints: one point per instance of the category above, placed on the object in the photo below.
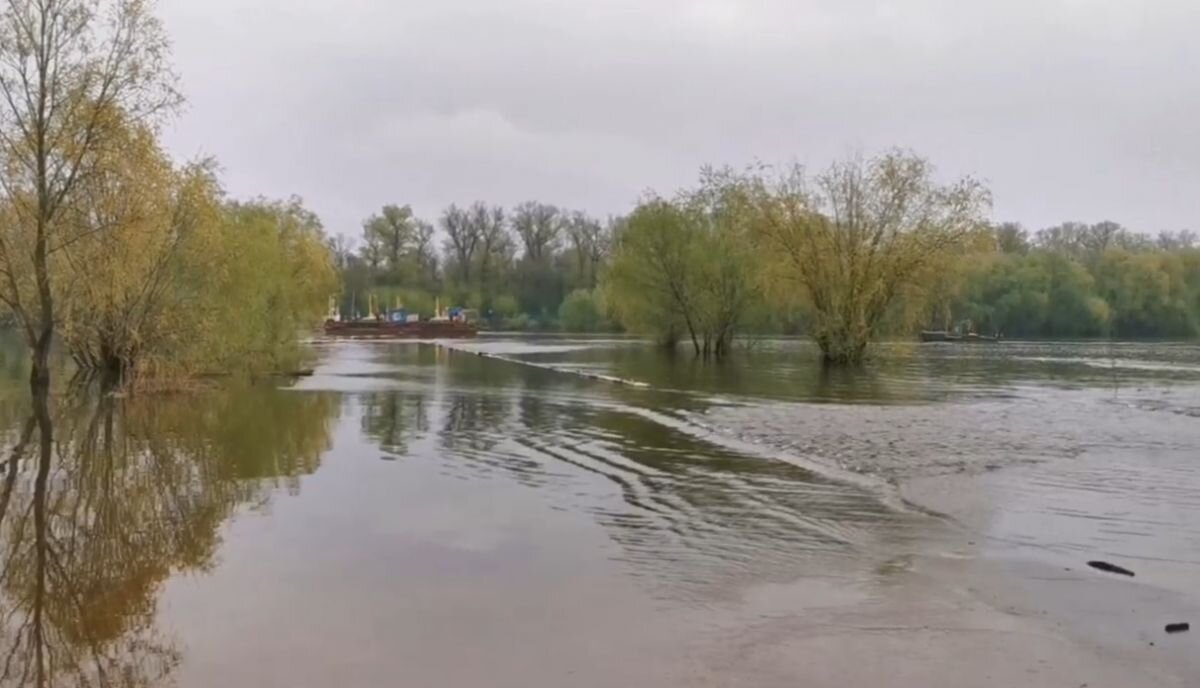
pixel 39 375
pixel 842 351
pixel 41 483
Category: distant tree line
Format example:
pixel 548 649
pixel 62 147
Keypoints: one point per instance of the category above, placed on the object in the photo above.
pixel 534 266
pixel 865 249
pixel 1080 280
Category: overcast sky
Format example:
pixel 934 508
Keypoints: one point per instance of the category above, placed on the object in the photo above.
pixel 1069 109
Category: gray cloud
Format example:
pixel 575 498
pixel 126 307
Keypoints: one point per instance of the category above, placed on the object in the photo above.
pixel 1070 109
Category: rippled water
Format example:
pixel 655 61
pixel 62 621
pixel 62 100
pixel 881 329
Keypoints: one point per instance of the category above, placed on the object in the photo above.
pixel 1081 447
pixel 487 514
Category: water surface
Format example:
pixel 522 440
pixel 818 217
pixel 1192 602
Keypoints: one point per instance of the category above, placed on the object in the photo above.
pixel 420 515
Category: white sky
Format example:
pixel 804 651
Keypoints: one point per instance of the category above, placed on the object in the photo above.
pixel 1069 109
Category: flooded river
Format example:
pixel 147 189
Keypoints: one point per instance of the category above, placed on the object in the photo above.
pixel 588 512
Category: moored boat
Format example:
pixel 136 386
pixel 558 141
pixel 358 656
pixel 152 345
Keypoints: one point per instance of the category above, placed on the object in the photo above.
pixel 386 329
pixel 939 336
pixel 945 336
pixel 398 323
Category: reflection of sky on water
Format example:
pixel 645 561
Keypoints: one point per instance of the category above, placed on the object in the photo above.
pixel 428 493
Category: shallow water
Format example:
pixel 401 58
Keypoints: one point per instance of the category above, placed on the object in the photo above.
pixel 421 515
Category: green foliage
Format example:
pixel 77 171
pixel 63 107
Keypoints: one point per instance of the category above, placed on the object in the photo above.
pixel 76 76
pixel 500 263
pixel 583 311
pixel 505 306
pixel 179 281
pixel 386 237
pixel 1148 293
pixel 649 283
pixel 519 323
pixel 684 269
pixel 865 250
pixel 863 244
pixel 1056 290
pixel 266 281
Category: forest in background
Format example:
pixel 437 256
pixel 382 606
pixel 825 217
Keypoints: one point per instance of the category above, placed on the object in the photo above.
pixel 1081 280
pixel 532 267
pixel 142 267
pixel 540 267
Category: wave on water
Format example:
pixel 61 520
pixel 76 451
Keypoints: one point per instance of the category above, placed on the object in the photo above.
pixel 545 366
pixel 692 511
pixel 1115 363
pixel 518 348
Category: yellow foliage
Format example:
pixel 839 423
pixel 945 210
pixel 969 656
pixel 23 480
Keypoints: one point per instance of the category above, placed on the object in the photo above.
pixel 864 243
pixel 165 279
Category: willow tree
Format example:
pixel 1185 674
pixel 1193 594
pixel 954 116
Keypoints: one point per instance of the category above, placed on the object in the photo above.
pixel 268 281
pixel 66 67
pixel 684 268
pixel 721 210
pixel 650 284
pixel 183 282
pixel 862 241
pixel 144 226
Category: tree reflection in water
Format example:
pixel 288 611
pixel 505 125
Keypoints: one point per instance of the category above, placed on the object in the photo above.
pixel 102 499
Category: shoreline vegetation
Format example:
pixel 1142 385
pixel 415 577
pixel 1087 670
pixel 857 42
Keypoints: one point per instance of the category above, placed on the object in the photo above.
pixel 141 268
pixel 869 250
pixel 144 269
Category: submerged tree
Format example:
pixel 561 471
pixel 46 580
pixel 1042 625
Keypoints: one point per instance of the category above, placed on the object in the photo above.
pixel 725 264
pixel 143 224
pixel 69 69
pixel 861 240
pixel 180 281
pixel 273 277
pixel 650 284
pixel 684 268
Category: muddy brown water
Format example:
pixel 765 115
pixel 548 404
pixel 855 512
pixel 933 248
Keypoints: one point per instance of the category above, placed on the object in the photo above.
pixel 420 515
